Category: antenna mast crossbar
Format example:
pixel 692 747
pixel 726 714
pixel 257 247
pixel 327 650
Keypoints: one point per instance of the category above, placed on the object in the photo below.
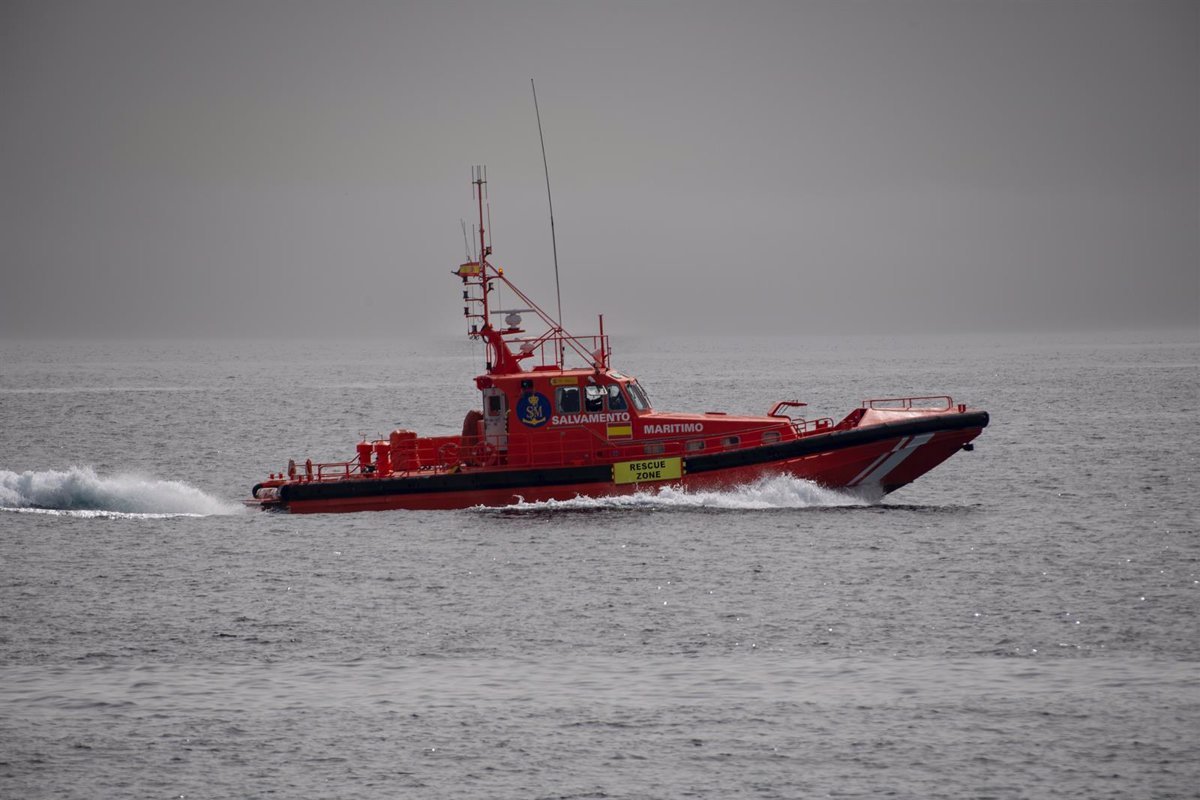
pixel 481 277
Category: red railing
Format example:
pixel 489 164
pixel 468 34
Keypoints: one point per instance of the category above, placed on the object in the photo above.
pixel 945 403
pixel 803 427
pixel 551 346
pixel 566 446
pixel 580 445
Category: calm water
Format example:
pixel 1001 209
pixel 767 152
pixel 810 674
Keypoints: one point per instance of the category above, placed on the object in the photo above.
pixel 1022 622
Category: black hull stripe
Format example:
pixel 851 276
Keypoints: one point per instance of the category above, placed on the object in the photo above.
pixel 836 440
pixel 438 484
pixel 562 476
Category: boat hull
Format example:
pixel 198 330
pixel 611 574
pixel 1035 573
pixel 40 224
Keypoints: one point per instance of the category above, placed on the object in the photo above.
pixel 876 458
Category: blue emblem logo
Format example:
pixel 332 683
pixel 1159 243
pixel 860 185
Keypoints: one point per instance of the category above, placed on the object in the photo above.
pixel 533 410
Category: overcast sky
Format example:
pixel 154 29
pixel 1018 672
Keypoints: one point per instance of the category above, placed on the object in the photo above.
pixel 246 168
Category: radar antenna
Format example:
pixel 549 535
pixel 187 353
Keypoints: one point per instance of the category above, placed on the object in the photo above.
pixel 550 201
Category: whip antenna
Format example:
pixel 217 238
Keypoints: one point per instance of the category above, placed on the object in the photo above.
pixel 550 201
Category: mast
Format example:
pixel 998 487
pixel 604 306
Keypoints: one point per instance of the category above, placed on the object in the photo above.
pixel 479 278
pixel 480 274
pixel 480 181
pixel 475 279
pixel 550 202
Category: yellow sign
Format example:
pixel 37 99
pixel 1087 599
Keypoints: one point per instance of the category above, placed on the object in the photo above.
pixel 648 470
pixel 620 431
pixel 566 380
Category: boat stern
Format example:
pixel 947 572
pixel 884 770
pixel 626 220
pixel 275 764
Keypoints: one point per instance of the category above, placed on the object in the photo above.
pixel 265 496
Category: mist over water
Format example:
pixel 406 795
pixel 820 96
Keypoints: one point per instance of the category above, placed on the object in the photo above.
pixel 787 189
pixel 183 169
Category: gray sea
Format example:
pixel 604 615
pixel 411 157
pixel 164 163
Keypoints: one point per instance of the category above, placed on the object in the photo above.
pixel 1020 623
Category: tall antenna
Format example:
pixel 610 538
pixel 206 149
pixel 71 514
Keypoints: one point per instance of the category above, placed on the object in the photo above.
pixel 550 200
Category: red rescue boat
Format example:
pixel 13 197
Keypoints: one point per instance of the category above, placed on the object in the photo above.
pixel 553 431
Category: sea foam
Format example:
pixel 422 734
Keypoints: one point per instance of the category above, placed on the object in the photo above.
pixel 778 492
pixel 80 492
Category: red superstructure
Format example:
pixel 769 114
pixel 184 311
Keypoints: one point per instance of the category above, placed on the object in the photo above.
pixel 557 422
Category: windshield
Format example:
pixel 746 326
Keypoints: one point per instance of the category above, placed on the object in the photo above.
pixel 638 397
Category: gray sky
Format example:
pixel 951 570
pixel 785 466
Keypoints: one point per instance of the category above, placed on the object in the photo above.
pixel 198 168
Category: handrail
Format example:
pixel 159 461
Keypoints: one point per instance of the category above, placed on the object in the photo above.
pixel 528 346
pixel 579 444
pixel 574 445
pixel 801 426
pixel 782 404
pixel 555 332
pixel 906 403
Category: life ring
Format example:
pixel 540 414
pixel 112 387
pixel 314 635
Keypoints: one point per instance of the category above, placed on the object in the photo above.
pixel 485 453
pixel 448 454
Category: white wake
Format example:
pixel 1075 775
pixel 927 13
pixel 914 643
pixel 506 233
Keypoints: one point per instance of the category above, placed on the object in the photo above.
pixel 764 494
pixel 80 492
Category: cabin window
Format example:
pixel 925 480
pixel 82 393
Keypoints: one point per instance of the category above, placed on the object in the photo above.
pixel 770 437
pixel 731 441
pixel 655 449
pixel 638 397
pixel 693 445
pixel 493 405
pixel 593 398
pixel 567 399
pixel 616 400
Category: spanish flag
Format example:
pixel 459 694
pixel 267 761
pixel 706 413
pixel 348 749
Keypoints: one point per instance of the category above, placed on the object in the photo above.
pixel 620 431
pixel 467 269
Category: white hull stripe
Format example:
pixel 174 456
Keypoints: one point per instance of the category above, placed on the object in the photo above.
pixel 882 466
pixel 859 477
